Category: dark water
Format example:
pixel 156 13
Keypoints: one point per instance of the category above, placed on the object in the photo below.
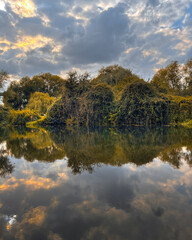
pixel 62 184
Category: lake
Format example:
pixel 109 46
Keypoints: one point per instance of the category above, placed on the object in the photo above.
pixel 59 184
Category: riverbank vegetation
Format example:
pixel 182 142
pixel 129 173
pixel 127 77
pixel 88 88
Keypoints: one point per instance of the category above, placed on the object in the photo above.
pixel 116 97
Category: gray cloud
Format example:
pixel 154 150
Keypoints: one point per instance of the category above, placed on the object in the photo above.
pixel 103 40
pixel 142 35
pixel 7 30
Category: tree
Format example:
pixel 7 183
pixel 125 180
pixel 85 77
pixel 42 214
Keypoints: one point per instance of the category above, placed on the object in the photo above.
pixel 168 79
pixel 99 104
pixel 117 77
pixel 188 76
pixel 4 116
pixel 18 93
pixel 142 105
pixel 173 76
pixel 3 78
pixel 76 84
pixel 113 75
pixel 40 102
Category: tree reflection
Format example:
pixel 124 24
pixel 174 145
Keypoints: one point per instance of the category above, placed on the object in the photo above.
pixel 34 145
pixel 86 149
pixel 6 167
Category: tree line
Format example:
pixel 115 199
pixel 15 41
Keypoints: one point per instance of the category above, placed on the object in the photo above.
pixel 116 97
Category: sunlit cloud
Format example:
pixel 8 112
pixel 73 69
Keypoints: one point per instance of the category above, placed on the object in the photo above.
pixel 35 183
pixel 46 20
pixel 141 35
pixel 9 184
pixel 108 4
pixel 35 216
pixel 129 50
pixel 135 11
pixel 161 61
pixel 32 181
pixel 184 45
pixel 24 8
pixel 156 69
pixel 27 43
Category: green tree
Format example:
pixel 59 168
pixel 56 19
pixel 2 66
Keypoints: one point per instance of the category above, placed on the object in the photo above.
pixel 99 104
pixel 168 79
pixel 18 93
pixel 4 116
pixel 141 105
pixel 188 77
pixel 112 75
pixel 76 84
pixel 117 77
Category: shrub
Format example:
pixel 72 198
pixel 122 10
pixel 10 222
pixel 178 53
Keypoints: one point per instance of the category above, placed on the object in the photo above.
pixel 4 115
pixel 141 105
pixel 21 117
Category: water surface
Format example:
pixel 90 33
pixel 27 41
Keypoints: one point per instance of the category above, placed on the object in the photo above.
pixel 60 184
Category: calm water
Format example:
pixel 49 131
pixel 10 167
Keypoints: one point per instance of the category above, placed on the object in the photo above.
pixel 62 184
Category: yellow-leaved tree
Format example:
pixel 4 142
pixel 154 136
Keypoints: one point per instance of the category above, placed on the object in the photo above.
pixel 40 102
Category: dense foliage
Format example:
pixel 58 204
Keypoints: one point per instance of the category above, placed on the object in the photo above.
pixel 19 93
pixel 4 115
pixel 117 77
pixel 141 105
pixel 116 97
pixel 174 79
pixel 93 106
pixel 40 102
pixel 22 117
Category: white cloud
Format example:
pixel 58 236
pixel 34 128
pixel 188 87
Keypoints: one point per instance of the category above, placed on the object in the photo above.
pixel 142 35
pixel 2 5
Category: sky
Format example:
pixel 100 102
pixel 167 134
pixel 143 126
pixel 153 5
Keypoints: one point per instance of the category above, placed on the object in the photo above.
pixel 57 36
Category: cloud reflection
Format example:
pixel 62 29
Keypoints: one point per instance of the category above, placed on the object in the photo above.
pixel 136 188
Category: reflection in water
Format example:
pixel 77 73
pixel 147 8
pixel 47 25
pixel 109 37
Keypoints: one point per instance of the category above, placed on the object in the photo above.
pixel 86 149
pixel 5 165
pixel 140 186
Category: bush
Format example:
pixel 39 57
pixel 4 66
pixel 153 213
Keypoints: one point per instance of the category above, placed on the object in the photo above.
pixel 141 105
pixel 180 109
pixel 4 115
pixel 99 101
pixel 21 117
pixel 91 108
pixel 60 111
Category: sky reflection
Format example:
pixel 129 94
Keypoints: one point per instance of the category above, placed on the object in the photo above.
pixel 47 200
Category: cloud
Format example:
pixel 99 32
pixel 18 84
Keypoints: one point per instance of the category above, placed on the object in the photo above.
pixel 102 41
pixel 59 35
pixel 112 203
pixel 23 8
pixel 35 216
